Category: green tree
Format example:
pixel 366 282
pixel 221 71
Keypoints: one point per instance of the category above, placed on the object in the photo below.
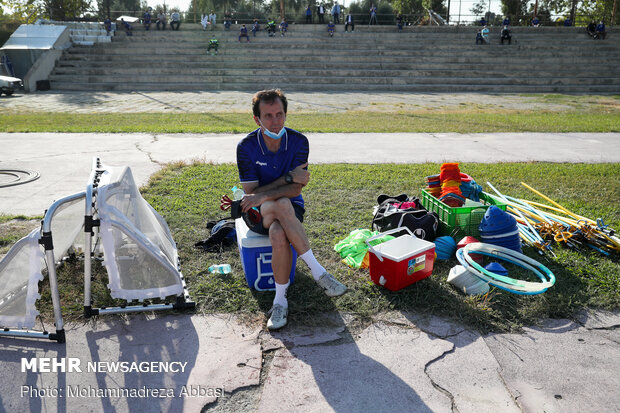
pixel 515 10
pixel 479 8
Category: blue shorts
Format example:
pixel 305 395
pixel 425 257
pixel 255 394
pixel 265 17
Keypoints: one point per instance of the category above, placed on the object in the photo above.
pixel 260 229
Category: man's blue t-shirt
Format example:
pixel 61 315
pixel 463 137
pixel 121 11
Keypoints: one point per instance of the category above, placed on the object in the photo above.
pixel 257 164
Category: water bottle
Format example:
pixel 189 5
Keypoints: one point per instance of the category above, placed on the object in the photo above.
pixel 237 193
pixel 219 269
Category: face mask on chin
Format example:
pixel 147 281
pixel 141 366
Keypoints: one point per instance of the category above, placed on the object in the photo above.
pixel 271 134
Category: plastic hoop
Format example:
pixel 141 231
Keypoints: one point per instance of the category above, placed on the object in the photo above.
pixel 504 282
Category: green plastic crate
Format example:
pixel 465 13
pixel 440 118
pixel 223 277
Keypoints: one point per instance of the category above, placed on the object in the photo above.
pixel 461 221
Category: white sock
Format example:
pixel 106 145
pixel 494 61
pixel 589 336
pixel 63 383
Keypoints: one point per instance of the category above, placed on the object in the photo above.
pixel 315 268
pixel 280 297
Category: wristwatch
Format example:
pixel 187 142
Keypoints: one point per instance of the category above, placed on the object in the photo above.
pixel 288 178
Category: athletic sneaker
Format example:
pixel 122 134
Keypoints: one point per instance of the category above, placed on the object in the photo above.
pixel 278 317
pixel 332 286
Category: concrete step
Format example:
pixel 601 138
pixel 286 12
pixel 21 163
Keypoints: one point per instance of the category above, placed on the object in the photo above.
pixel 331 71
pixel 430 79
pixel 310 87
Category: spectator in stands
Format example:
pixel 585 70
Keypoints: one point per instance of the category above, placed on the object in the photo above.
pixel 308 15
pixel 485 34
pixel 243 32
pixel 330 29
pixel 227 20
pixel 107 23
pixel 373 14
pixel 321 13
pixel 600 30
pixel 399 22
pixel 568 22
pixel 175 20
pixel 212 18
pixel 348 21
pixel 255 27
pixel 506 21
pixel 483 22
pixel 283 27
pixel 591 29
pixel 272 162
pixel 146 20
pixel 204 21
pixel 336 13
pixel 128 27
pixel 505 35
pixel 161 20
pixel 213 44
pixel 271 28
pixel 479 39
pixel 535 22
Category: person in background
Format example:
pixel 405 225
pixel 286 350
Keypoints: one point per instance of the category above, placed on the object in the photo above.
pixel 271 28
pixel 161 20
pixel 255 27
pixel 506 21
pixel 308 15
pixel 336 13
pixel 107 23
pixel 373 15
pixel 283 27
pixel 505 35
pixel 243 32
pixel 128 27
pixel 146 20
pixel 321 13
pixel 213 44
pixel 212 18
pixel 330 28
pixel 568 22
pixel 175 20
pixel 348 21
pixel 600 30
pixel 535 22
pixel 204 21
pixel 399 22
pixel 272 162
pixel 483 22
pixel 227 20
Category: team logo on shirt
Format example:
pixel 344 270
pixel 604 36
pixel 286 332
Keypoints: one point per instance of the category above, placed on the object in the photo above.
pixel 259 163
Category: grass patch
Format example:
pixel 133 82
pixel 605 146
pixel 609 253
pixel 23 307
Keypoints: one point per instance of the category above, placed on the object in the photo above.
pixel 461 120
pixel 340 198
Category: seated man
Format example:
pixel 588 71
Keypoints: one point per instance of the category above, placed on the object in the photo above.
pixel 348 22
pixel 505 35
pixel 128 27
pixel 243 32
pixel 330 28
pixel 255 27
pixel 600 30
pixel 568 22
pixel 535 22
pixel 271 28
pixel 272 162
pixel 283 27
pixel 483 22
pixel 227 20
pixel 161 20
pixel 479 39
pixel 591 29
pixel 175 20
pixel 213 44
pixel 146 20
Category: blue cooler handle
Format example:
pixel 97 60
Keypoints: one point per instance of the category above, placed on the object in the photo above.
pixel 374 237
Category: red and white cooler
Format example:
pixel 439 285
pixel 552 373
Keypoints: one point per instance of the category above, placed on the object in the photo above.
pixel 401 261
